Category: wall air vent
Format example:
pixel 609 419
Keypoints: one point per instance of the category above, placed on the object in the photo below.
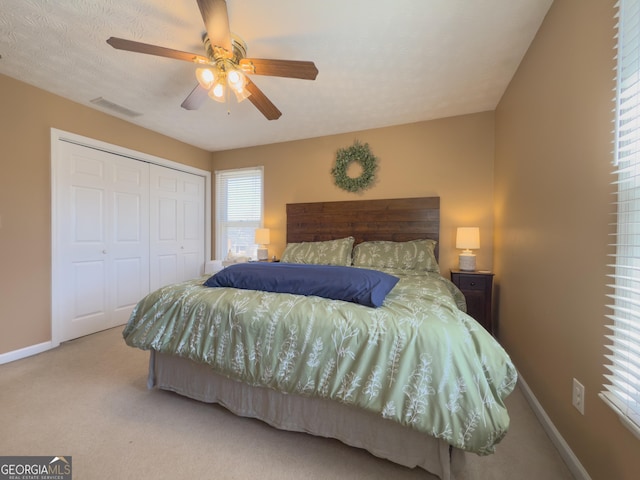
pixel 101 102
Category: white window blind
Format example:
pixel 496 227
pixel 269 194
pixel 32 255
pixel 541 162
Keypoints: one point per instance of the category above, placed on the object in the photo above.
pixel 239 208
pixel 622 386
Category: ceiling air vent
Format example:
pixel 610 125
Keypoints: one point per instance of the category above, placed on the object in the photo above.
pixel 101 102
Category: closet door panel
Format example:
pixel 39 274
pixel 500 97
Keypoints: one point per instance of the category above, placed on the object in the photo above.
pixel 130 276
pixel 102 202
pixel 128 248
pixel 87 305
pixel 82 196
pixel 88 287
pixel 88 207
pixel 192 246
pixel 177 226
pixel 167 222
pixel 166 271
pixel 164 221
pixel 191 265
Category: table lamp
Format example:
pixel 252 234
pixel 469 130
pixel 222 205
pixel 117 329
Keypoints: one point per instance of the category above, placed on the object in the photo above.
pixel 468 238
pixel 262 239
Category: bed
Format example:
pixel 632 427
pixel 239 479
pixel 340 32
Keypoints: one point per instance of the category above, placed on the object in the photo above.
pixel 410 378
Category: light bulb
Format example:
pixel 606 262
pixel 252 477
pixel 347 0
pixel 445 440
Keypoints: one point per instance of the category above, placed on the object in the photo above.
pixel 217 92
pixel 205 77
pixel 234 77
pixel 241 93
pixel 236 80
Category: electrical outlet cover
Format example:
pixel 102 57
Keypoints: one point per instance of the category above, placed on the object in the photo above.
pixel 578 396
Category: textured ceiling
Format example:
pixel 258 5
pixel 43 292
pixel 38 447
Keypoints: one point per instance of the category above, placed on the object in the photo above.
pixel 381 63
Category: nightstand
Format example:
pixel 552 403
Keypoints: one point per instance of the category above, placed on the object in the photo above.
pixel 477 288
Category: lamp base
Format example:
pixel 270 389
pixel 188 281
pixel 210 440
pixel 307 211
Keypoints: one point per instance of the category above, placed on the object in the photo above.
pixel 467 262
pixel 263 254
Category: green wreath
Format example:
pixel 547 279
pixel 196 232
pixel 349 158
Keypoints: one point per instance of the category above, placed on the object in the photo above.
pixel 345 157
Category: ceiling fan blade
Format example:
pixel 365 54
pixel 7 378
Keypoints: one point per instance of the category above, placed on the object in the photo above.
pixel 138 47
pixel 216 23
pixel 195 99
pixel 261 102
pixel 280 68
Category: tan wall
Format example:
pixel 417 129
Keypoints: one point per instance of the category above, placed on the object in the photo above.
pixel 451 158
pixel 27 114
pixel 552 210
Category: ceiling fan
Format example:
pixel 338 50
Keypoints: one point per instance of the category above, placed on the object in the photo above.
pixel 224 67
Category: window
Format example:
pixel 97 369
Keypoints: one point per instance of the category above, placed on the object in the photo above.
pixel 238 211
pixel 622 386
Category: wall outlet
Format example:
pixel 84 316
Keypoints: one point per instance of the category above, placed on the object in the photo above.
pixel 578 396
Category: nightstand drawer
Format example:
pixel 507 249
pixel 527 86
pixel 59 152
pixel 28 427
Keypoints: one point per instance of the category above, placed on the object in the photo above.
pixel 472 282
pixel 476 288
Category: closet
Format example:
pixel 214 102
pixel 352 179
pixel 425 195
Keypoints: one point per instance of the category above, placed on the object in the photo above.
pixel 122 227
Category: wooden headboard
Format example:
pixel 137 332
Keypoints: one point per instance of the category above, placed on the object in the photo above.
pixel 398 220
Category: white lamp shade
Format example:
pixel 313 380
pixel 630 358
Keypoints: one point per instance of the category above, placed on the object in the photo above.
pixel 468 238
pixel 262 236
pixel 262 239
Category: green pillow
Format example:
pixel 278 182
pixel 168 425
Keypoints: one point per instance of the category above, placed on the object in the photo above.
pixel 415 255
pixel 330 252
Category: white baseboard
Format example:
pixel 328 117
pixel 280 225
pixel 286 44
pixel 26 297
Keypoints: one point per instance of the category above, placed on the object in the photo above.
pixel 565 451
pixel 25 352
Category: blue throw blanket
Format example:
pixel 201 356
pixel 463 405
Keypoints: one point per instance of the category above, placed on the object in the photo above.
pixel 351 284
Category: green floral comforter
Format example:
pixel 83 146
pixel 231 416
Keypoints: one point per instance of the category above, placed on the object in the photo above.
pixel 418 360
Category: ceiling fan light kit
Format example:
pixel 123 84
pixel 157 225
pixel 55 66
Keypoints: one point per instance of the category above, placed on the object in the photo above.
pixel 225 67
pixel 224 70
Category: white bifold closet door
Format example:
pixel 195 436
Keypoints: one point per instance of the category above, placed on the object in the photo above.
pixel 124 228
pixel 177 226
pixel 103 230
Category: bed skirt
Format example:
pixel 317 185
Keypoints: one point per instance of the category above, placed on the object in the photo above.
pixel 317 416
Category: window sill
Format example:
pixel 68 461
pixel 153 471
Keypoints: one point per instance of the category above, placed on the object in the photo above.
pixel 609 399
